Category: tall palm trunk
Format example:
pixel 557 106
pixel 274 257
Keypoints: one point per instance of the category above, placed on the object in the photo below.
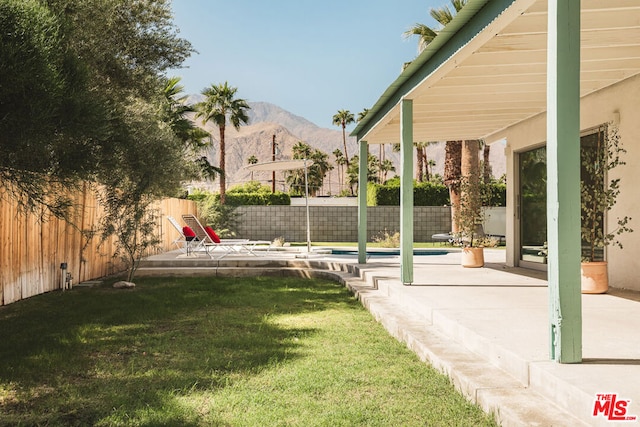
pixel 470 168
pixel 452 172
pixel 487 172
pixel 420 171
pixel 223 183
pixel 344 144
pixel 427 173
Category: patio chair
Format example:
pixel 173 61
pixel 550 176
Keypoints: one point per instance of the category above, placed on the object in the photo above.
pixel 183 243
pixel 210 241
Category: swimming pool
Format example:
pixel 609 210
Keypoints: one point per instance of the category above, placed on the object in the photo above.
pixel 389 252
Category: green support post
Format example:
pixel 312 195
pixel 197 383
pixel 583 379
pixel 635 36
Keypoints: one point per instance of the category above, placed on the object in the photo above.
pixel 406 191
pixel 563 180
pixel 362 203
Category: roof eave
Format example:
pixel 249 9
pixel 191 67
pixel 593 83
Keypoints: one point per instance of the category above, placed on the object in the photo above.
pixel 467 23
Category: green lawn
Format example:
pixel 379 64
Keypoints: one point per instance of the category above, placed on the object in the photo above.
pixel 214 352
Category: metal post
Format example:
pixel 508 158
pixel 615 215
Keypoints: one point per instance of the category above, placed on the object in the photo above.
pixel 273 158
pixel 362 203
pixel 306 198
pixel 406 191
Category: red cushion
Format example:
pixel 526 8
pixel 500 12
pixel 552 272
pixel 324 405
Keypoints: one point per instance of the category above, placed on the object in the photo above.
pixel 188 232
pixel 212 234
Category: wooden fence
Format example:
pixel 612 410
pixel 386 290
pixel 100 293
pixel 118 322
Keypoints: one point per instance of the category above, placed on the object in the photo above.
pixel 31 250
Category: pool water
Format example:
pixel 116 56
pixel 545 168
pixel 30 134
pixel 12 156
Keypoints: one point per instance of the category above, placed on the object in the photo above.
pixel 387 252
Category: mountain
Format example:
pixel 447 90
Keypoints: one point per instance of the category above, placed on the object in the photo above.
pixel 267 120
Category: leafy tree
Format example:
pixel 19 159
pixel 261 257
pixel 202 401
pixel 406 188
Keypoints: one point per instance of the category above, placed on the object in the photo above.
pixel 221 106
pixel 45 145
pixel 344 118
pixel 141 173
pixel 69 69
pixel 86 79
pixel 223 218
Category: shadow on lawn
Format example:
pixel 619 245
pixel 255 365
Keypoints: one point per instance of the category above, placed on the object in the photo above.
pixel 107 356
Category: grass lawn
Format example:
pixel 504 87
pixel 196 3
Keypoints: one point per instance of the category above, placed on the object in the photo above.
pixel 214 352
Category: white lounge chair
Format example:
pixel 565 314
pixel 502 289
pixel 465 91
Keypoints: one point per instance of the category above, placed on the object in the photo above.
pixel 225 246
pixel 184 244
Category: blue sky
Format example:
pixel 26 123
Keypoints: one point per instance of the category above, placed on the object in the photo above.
pixel 311 58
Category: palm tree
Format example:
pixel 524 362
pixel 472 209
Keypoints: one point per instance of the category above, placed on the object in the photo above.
pixel 453 149
pixel 386 166
pixel 174 113
pixel 442 15
pixel 422 173
pixel 362 114
pixel 219 106
pixel 340 162
pixel 452 173
pixel 316 171
pixel 344 118
pixel 430 165
pixel 486 164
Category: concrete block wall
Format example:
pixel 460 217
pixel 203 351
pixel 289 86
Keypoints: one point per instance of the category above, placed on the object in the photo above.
pixel 336 223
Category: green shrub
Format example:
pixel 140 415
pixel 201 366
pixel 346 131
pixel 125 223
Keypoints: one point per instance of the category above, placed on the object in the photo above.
pixel 495 194
pixel 424 194
pixel 249 194
pixel 429 194
pixel 223 218
pixel 259 199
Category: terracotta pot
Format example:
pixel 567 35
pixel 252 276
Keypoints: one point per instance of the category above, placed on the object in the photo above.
pixel 594 277
pixel 472 257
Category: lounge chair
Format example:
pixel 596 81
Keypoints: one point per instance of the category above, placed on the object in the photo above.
pixel 182 242
pixel 454 239
pixel 211 242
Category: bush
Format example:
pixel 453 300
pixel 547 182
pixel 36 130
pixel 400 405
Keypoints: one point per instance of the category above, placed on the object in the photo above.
pixel 424 194
pixel 495 194
pixel 429 194
pixel 222 218
pixel 388 239
pixel 254 193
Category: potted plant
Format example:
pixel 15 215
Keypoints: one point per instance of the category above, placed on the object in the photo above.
pixel 597 198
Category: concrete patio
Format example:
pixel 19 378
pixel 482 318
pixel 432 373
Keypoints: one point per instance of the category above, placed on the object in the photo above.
pixel 486 328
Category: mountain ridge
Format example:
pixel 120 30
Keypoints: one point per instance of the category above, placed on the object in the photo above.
pixel 267 120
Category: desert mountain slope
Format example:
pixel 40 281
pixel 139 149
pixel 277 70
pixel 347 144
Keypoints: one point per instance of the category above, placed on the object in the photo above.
pixel 266 120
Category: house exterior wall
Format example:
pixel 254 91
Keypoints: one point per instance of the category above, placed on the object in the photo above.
pixel 617 103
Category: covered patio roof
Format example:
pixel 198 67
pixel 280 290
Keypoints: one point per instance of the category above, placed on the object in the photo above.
pixel 487 70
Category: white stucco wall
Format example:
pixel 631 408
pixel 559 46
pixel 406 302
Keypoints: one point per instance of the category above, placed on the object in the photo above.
pixel 618 103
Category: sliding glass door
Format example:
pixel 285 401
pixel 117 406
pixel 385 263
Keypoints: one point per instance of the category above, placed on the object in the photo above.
pixel 531 207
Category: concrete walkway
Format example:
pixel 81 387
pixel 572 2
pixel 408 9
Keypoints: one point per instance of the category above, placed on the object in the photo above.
pixel 486 328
